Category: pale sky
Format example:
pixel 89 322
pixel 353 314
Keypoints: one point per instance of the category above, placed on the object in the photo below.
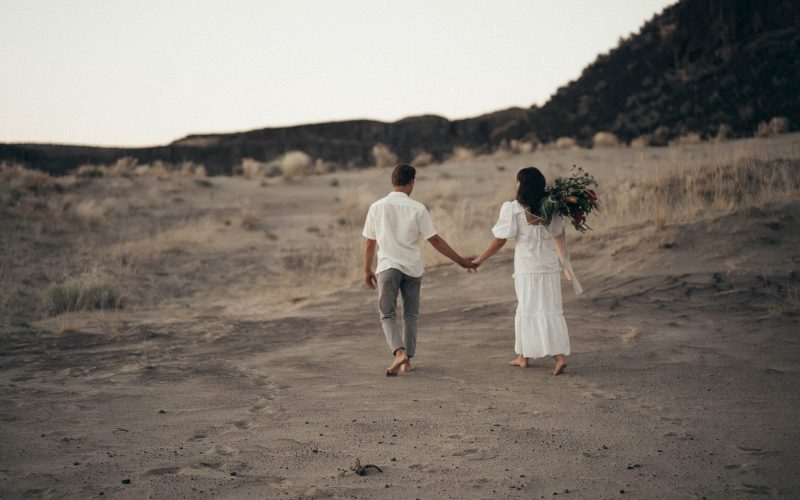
pixel 147 72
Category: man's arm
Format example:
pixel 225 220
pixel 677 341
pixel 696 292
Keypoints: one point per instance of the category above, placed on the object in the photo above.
pixel 443 248
pixel 369 253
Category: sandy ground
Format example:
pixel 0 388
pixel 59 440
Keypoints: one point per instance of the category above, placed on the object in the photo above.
pixel 221 378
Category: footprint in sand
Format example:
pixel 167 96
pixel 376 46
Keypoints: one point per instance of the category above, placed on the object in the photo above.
pixel 465 452
pixel 262 405
pixel 756 489
pixel 756 452
pixel 223 450
pixel 162 471
pixel 243 424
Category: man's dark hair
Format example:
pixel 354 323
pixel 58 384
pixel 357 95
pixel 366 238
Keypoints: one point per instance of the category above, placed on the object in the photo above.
pixel 403 174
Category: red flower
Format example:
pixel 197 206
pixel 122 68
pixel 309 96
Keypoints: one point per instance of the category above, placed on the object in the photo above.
pixel 592 197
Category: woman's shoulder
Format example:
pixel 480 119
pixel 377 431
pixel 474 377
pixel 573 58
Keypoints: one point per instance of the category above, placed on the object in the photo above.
pixel 512 205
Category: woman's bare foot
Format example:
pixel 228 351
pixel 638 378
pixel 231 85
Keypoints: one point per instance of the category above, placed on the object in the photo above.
pixel 520 361
pixel 406 368
pixel 561 363
pixel 400 359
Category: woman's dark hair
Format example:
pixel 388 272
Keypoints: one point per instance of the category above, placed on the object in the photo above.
pixel 531 189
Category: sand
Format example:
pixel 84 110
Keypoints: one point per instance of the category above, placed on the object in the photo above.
pixel 682 381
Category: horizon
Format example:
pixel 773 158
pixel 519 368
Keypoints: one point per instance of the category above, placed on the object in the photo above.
pixel 116 94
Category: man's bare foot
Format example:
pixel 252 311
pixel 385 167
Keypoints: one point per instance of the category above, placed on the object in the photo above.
pixel 559 369
pixel 520 361
pixel 406 368
pixel 400 359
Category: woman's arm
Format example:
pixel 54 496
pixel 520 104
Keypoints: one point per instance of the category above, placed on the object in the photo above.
pixel 443 248
pixel 492 249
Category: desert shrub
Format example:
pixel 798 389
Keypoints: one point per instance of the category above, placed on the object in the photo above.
pixel 422 159
pixel 251 169
pixel 383 156
pixel 461 154
pixel 565 143
pixel 724 132
pixel 24 179
pixel 605 140
pixel 294 165
pixel 777 125
pixel 640 142
pixel 81 294
pixel 123 167
pixel 190 168
pixel 690 138
pixel 88 171
pixel 521 147
pixel 354 204
pixel 660 137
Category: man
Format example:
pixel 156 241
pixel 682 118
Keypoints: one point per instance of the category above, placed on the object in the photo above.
pixel 396 223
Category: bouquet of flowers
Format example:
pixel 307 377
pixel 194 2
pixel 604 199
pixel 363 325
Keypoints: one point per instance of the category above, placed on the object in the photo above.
pixel 572 198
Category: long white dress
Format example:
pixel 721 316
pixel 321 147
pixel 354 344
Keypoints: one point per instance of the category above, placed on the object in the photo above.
pixel 540 329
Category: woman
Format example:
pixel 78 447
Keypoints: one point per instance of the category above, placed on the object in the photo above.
pixel 540 329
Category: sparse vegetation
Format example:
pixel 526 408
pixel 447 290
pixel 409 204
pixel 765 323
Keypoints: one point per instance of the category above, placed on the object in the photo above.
pixel 295 165
pixel 683 194
pixel 565 143
pixel 81 294
pixel 383 156
pixel 422 159
pixel 605 140
pixel 777 125
pixel 462 154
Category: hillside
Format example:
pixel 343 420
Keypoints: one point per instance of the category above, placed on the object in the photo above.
pixel 698 65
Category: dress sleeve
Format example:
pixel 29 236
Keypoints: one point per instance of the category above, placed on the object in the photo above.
pixel 556 226
pixel 506 226
pixel 426 229
pixel 369 226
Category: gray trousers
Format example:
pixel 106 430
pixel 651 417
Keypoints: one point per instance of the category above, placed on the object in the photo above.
pixel 390 282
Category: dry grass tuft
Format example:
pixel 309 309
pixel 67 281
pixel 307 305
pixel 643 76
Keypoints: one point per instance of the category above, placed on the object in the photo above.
pixel 295 165
pixel 777 125
pixel 605 140
pixel 383 156
pixel 90 291
pixel 629 337
pixel 565 143
pixel 462 154
pixel 422 159
pixel 354 204
pixel 181 238
pixel 682 194
pixel 690 138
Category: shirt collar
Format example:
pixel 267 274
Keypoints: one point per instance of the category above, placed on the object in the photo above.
pixel 398 193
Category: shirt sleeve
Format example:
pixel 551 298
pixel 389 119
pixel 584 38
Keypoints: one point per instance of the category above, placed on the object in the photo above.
pixel 369 226
pixel 556 226
pixel 426 229
pixel 506 226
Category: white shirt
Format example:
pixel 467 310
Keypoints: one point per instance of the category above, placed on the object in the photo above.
pixel 397 223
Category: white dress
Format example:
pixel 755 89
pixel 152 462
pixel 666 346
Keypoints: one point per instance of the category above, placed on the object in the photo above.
pixel 540 329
